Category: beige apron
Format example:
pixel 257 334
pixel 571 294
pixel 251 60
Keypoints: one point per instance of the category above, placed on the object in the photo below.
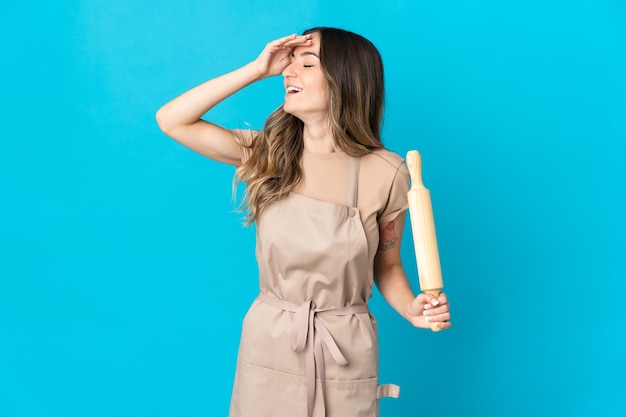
pixel 309 344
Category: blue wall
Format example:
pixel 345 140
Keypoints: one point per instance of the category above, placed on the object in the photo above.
pixel 124 273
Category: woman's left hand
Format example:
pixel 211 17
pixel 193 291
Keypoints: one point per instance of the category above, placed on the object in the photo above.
pixel 426 310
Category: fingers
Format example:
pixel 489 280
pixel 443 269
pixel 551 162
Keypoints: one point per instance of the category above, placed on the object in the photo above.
pixel 276 55
pixel 438 312
pixel 437 315
pixel 419 303
pixel 426 301
pixel 291 41
pixel 433 302
pixel 432 310
pixel 443 325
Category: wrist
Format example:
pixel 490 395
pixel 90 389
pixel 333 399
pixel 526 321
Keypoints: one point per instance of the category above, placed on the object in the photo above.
pixel 408 311
pixel 255 71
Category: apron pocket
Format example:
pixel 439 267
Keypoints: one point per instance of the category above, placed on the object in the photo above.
pixel 263 392
pixel 352 398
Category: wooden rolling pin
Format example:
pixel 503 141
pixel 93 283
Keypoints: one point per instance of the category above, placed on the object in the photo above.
pixel 423 227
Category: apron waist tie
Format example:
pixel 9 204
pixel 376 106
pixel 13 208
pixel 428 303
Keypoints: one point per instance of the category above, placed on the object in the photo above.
pixel 308 333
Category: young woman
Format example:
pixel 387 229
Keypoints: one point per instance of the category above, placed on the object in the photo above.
pixel 329 204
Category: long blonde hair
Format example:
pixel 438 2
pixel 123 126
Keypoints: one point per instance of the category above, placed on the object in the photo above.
pixel 354 70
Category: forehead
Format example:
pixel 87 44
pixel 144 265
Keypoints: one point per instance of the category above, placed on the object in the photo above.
pixel 313 49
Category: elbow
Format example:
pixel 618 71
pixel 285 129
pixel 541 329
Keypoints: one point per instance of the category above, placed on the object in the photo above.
pixel 162 121
pixel 167 121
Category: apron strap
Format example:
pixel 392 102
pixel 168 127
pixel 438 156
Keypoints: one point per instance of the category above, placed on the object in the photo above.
pixel 353 181
pixel 310 335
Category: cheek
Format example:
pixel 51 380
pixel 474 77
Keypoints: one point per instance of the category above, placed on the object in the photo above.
pixel 324 97
pixel 323 87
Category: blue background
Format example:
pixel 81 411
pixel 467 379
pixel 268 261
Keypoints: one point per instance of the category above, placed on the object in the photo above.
pixel 125 273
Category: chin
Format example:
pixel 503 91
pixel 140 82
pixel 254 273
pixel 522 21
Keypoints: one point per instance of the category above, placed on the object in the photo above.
pixel 288 109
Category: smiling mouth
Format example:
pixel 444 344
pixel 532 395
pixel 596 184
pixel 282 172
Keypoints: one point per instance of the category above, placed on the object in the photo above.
pixel 293 90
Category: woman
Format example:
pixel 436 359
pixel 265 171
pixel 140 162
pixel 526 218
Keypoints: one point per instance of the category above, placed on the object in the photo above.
pixel 329 203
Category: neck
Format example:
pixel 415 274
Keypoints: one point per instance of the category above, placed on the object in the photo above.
pixel 318 138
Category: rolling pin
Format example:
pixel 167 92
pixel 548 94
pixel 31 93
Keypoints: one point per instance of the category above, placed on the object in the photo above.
pixel 423 227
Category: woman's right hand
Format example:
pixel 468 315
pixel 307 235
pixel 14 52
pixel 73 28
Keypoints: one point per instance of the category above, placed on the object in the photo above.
pixel 181 120
pixel 277 54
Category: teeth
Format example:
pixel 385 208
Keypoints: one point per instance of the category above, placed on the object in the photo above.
pixel 292 89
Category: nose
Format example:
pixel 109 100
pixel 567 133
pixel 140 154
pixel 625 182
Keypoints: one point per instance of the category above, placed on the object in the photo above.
pixel 289 70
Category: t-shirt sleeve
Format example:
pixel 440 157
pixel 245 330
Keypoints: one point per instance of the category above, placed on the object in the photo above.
pixel 397 201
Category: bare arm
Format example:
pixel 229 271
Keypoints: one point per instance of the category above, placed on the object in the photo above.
pixel 393 283
pixel 180 118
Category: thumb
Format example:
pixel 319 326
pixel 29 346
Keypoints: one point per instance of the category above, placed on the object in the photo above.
pixel 419 304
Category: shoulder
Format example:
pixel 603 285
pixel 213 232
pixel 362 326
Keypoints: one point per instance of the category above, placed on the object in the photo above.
pixel 384 170
pixel 386 163
pixel 385 180
pixel 385 157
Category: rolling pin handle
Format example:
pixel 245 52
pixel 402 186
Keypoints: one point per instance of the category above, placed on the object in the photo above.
pixel 414 164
